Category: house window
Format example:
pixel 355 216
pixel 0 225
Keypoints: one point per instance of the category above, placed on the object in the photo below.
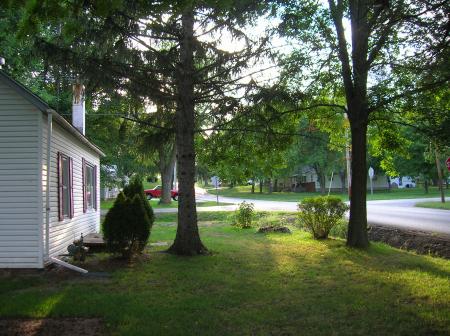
pixel 65 186
pixel 89 186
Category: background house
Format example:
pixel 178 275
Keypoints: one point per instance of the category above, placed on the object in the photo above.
pixel 49 178
pixel 307 180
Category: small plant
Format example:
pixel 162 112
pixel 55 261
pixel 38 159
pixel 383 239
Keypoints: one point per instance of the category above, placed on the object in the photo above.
pixel 320 214
pixel 244 215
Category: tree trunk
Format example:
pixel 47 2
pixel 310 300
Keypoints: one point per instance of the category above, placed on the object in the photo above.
pixel 321 177
pixel 439 171
pixel 187 240
pixel 357 226
pixel 270 185
pixel 261 183
pixel 253 186
pixel 275 186
pixel 343 180
pixel 389 182
pixel 425 185
pixel 323 190
pixel 166 166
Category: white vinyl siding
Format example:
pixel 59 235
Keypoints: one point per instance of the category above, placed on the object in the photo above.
pixel 62 233
pixel 20 246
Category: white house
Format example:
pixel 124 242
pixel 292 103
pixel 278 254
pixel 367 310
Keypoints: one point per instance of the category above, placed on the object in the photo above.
pixel 49 178
pixel 310 181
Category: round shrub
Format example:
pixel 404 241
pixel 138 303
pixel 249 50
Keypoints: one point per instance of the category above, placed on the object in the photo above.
pixel 319 214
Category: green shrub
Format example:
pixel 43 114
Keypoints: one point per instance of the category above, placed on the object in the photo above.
pixel 244 215
pixel 126 227
pixel 115 223
pixel 135 187
pixel 319 214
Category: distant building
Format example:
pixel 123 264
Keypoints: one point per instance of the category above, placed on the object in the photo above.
pixel 307 180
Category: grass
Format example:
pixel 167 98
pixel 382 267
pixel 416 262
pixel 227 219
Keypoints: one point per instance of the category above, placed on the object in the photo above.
pixel 106 205
pixel 252 284
pixel 434 205
pixel 244 192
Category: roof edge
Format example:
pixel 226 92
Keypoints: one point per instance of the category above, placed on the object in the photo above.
pixel 39 103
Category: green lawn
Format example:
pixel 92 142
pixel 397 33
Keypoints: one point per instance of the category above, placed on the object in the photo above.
pixel 252 284
pixel 106 205
pixel 245 193
pixel 435 205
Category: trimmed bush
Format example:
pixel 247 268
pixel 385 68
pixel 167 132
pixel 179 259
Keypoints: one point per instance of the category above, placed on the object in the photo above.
pixel 114 225
pixel 135 187
pixel 318 215
pixel 126 227
pixel 244 215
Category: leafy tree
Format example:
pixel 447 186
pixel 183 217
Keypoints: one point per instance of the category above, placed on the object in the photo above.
pixel 391 41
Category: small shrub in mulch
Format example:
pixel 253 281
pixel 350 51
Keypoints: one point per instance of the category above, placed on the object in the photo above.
pixel 274 228
pixel 52 327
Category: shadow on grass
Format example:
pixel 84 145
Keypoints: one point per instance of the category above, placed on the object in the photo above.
pixel 270 284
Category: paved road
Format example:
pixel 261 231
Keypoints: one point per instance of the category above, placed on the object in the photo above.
pixel 397 213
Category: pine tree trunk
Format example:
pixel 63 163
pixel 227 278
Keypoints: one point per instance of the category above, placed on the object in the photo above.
pixel 187 240
pixel 357 226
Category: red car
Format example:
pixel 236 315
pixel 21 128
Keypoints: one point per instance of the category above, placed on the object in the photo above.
pixel 156 192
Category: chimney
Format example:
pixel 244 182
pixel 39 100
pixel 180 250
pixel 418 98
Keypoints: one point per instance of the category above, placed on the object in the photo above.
pixel 78 108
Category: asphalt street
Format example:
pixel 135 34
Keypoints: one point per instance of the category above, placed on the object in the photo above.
pixel 396 213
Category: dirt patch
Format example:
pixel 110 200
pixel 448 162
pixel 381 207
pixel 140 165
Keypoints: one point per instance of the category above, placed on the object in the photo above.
pixel 420 242
pixel 52 327
pixel 100 268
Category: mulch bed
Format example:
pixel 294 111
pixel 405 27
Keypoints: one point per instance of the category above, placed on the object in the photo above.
pixel 418 241
pixel 52 327
pixel 273 228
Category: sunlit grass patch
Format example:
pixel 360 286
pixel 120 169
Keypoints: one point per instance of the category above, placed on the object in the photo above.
pixel 250 284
